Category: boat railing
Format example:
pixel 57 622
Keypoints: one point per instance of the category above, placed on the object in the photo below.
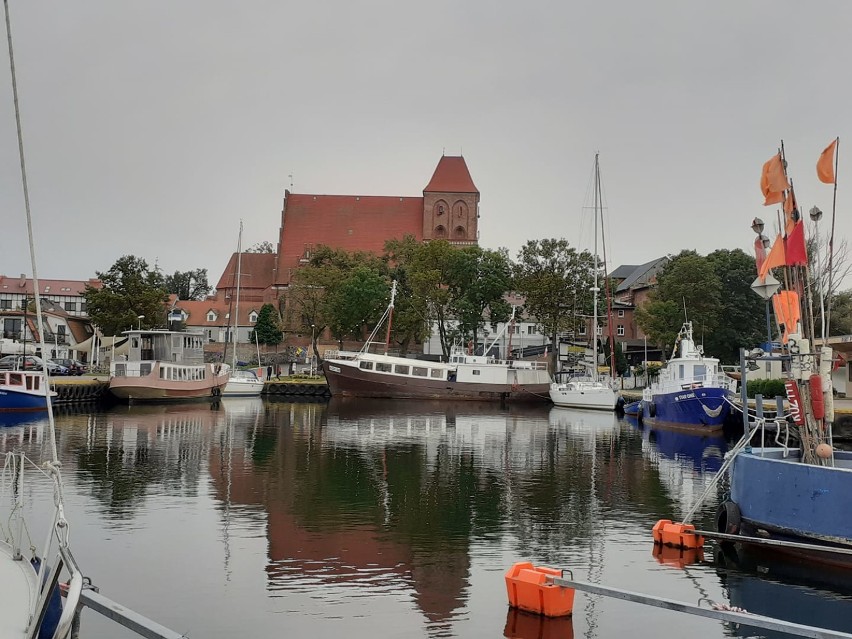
pixel 710 380
pixel 57 541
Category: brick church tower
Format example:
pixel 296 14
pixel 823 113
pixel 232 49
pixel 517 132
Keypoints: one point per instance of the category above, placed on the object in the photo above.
pixel 451 204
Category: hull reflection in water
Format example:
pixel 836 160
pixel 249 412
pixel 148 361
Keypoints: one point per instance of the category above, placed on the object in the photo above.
pixel 785 590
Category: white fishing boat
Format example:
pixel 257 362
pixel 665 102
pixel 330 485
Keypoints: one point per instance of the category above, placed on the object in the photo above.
pixel 242 383
pixel 590 390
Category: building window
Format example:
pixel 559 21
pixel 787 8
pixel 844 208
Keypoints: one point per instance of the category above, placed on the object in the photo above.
pixel 82 307
pixel 531 329
pixel 621 312
pixel 253 317
pixel 71 306
pixel 211 316
pixel 619 330
pixel 582 330
pixel 6 305
pixel 599 330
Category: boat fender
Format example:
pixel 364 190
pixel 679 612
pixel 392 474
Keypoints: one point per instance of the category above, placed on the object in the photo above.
pixel 817 401
pixel 728 518
pixel 652 409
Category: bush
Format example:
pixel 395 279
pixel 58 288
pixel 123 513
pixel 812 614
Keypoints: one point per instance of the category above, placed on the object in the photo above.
pixel 769 388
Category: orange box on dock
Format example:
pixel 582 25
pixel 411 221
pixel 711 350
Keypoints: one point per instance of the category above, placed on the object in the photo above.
pixel 531 588
pixel 676 535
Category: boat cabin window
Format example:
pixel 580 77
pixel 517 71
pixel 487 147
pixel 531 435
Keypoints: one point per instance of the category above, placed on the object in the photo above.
pixel 401 369
pixel 680 373
pixel 32 382
pixel 437 373
pixel 700 370
pixel 145 369
pixel 367 366
pixel 120 370
pixel 419 371
pixel 162 372
pixel 475 371
pixel 383 368
pixel 16 379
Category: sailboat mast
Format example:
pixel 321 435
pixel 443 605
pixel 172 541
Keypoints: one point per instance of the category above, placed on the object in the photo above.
pixel 607 288
pixel 390 316
pixel 595 288
pixel 237 303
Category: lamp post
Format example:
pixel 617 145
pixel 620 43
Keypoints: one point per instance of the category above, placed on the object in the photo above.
pixel 140 318
pixel 765 288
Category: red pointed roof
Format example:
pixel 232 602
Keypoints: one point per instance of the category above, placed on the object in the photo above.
pixel 257 273
pixel 451 176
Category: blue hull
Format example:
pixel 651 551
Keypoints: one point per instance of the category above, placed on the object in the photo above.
pixel 12 400
pixel 701 407
pixel 794 500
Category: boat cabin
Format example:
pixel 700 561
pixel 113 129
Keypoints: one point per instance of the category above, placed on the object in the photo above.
pixel 166 346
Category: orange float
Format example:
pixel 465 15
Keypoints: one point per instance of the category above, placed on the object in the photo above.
pixel 531 588
pixel 676 535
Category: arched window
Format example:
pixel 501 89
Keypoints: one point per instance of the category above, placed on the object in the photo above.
pixel 440 207
pixel 460 208
pixel 440 231
pixel 459 232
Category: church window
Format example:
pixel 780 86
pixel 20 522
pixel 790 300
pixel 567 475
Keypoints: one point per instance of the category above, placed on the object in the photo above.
pixel 440 231
pixel 460 232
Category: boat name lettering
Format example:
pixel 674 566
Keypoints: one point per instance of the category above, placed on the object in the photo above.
pixel 684 396
pixel 334 369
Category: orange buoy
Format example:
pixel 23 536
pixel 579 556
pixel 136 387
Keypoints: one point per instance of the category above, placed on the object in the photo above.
pixel 676 535
pixel 531 588
pixel 677 557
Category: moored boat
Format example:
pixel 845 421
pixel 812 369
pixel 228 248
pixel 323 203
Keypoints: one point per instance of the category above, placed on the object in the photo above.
pixel 465 376
pixel 164 366
pixel 691 390
pixel 23 391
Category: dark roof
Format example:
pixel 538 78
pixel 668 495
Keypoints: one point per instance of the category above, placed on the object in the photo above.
pixel 642 275
pixel 623 271
pixel 451 176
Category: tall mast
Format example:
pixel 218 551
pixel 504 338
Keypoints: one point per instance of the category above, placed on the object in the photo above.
pixel 595 288
pixel 607 288
pixel 237 303
pixel 390 316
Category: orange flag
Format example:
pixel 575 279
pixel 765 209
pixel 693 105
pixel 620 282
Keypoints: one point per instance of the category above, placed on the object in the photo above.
pixel 791 210
pixel 773 181
pixel 775 258
pixel 786 307
pixel 825 164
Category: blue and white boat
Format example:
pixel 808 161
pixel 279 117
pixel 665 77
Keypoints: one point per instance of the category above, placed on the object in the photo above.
pixel 692 390
pixel 23 391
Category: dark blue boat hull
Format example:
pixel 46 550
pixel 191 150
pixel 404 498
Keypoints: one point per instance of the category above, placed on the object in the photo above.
pixel 794 500
pixel 700 407
pixel 11 400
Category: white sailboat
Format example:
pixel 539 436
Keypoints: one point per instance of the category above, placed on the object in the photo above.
pixel 242 383
pixel 30 604
pixel 589 391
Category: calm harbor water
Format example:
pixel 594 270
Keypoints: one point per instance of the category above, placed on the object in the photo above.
pixel 363 518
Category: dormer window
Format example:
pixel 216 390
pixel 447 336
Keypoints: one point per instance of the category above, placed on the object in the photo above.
pixel 211 316
pixel 253 317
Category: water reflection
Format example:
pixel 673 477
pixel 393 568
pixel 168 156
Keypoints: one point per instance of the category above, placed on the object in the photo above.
pixel 402 514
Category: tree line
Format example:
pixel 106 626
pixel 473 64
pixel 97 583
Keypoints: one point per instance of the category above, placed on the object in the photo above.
pixel 459 291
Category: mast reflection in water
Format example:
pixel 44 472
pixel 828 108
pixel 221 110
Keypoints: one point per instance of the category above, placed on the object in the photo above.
pixel 389 518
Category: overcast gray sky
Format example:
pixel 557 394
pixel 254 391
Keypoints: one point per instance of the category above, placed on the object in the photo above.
pixel 152 127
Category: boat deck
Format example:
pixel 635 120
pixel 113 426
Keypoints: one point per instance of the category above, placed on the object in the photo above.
pixel 19 593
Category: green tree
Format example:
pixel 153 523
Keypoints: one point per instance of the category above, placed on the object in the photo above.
pixel 261 247
pixel 479 278
pixel 688 284
pixel 430 274
pixel 742 310
pixel 357 301
pixel 841 314
pixel 556 281
pixel 410 310
pixel 189 285
pixel 267 329
pixel 130 289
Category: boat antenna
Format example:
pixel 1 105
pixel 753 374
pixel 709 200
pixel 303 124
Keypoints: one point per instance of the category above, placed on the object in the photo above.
pixel 685 315
pixel 36 288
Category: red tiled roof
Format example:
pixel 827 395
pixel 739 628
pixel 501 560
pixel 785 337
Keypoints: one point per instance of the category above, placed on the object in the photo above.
pixel 257 272
pixel 451 176
pixel 197 312
pixel 48 287
pixel 350 222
